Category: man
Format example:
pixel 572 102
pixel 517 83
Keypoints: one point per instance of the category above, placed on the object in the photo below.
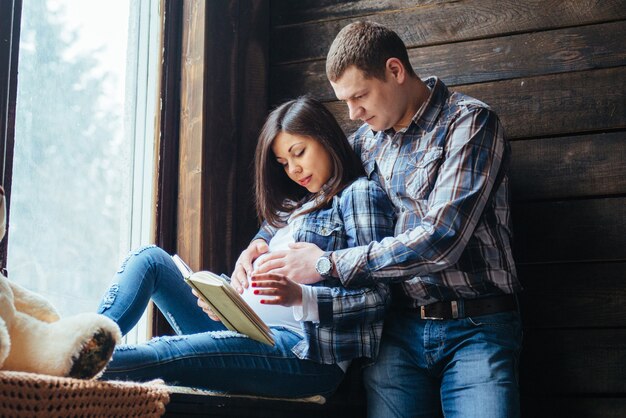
pixel 452 339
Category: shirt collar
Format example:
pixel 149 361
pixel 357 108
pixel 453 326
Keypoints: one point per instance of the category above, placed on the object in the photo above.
pixel 311 201
pixel 426 116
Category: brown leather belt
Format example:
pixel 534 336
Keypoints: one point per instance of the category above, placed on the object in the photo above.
pixel 463 308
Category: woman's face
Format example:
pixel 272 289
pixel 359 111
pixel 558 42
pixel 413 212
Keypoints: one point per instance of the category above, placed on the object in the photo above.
pixel 305 160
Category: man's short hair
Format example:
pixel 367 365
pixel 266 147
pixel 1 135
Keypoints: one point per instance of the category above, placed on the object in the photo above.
pixel 367 46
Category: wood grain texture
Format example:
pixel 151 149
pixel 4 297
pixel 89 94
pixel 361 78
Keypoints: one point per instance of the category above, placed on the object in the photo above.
pixel 499 58
pixel 573 407
pixel 449 22
pixel 555 72
pixel 190 180
pixel 568 167
pixel 168 128
pixel 573 295
pixel 570 230
pixel 559 362
pixel 223 105
pixel 559 104
pixel 289 12
pixel 236 106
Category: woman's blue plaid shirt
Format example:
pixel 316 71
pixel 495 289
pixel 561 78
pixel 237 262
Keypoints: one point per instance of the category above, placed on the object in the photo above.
pixel 351 320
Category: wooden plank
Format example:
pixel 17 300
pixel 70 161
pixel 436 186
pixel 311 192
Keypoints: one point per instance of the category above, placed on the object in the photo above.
pixel 449 22
pixel 570 231
pixel 189 219
pixel 167 143
pixel 557 104
pixel 168 122
pixel 573 407
pixel 499 58
pixel 566 167
pixel 573 295
pixel 235 94
pixel 184 405
pixel 530 54
pixel 289 12
pixel 537 407
pixel 584 361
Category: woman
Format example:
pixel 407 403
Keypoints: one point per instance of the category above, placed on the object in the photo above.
pixel 308 188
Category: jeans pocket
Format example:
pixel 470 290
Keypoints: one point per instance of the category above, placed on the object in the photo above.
pixel 497 320
pixel 503 329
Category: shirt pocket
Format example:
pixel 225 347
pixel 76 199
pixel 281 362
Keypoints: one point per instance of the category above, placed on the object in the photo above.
pixel 422 169
pixel 326 234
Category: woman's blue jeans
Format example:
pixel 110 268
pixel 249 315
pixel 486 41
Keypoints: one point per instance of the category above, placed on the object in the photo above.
pixel 458 368
pixel 204 354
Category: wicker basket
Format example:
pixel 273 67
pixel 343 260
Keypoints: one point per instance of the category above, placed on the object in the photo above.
pixel 34 395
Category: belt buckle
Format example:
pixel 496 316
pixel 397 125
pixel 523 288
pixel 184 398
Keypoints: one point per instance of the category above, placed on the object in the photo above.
pixel 454 306
pixel 423 314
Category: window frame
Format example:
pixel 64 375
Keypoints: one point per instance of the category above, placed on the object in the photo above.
pixel 10 24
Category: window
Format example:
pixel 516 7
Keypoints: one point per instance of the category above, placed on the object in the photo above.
pixel 84 141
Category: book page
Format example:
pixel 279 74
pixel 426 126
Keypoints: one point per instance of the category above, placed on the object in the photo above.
pixel 227 304
pixel 230 306
pixel 184 269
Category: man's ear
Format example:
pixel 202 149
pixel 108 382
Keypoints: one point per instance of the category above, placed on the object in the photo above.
pixel 395 69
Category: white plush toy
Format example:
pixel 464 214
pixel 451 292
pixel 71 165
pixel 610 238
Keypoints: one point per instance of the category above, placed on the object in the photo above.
pixel 33 338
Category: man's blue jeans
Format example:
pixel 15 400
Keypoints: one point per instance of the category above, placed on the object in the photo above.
pixel 204 354
pixel 457 368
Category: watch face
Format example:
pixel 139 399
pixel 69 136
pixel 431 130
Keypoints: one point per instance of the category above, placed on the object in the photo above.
pixel 323 266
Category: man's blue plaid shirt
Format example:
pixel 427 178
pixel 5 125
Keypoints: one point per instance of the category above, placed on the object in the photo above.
pixel 446 174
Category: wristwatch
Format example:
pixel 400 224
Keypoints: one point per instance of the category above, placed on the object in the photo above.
pixel 324 265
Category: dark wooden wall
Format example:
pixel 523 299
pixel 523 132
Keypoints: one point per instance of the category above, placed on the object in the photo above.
pixel 223 105
pixel 555 71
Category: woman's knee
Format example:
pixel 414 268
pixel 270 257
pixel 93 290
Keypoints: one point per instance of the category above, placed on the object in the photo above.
pixel 147 254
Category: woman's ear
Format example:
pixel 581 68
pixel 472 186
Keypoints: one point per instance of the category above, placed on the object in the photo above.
pixel 395 69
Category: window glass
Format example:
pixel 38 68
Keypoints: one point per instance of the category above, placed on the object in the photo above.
pixel 82 169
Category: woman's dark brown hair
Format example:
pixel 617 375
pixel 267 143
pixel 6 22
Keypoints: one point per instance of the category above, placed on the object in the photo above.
pixel 276 193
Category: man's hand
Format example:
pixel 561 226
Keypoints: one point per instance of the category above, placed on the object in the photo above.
pixel 243 266
pixel 298 263
pixel 205 307
pixel 286 292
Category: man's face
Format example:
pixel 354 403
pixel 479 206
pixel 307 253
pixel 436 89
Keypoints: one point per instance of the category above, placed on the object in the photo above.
pixel 378 103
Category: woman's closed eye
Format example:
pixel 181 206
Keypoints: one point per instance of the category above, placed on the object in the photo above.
pixel 298 153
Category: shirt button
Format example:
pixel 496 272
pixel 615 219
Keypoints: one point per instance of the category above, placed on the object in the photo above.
pixel 387 178
pixel 395 145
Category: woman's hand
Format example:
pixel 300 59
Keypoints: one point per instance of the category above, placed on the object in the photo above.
pixel 205 307
pixel 286 292
pixel 297 263
pixel 243 266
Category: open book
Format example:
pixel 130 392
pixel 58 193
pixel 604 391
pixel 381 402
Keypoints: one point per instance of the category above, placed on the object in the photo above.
pixel 227 304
